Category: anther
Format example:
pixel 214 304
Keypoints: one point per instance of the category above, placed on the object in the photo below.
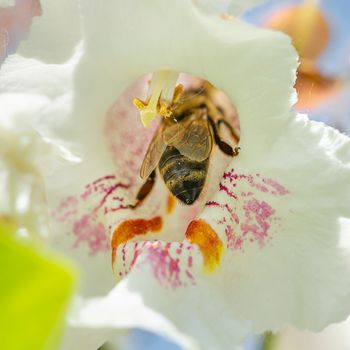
pixel 163 95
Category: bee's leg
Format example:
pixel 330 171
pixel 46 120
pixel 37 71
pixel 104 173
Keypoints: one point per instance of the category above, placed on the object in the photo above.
pixel 229 127
pixel 224 147
pixel 145 190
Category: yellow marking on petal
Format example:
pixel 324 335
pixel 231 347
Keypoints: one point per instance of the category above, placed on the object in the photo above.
pixel 171 202
pixel 201 233
pixel 163 94
pixel 128 229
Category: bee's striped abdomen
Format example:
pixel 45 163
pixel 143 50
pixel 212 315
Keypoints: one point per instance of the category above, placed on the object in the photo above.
pixel 185 178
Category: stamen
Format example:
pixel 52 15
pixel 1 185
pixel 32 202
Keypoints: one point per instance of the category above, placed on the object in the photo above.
pixel 163 94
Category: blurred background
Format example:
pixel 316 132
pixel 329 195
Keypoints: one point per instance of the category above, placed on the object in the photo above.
pixel 320 32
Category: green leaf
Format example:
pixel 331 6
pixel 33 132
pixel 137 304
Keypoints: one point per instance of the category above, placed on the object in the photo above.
pixel 34 294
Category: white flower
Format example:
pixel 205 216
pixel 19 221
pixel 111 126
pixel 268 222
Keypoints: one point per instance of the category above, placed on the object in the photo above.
pixel 225 6
pixel 274 222
pixel 335 336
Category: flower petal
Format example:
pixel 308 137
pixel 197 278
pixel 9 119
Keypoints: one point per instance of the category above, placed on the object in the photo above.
pixel 173 284
pixel 210 6
pixel 335 336
pixel 55 34
pixel 279 218
pixel 235 46
pixel 235 7
pixel 120 309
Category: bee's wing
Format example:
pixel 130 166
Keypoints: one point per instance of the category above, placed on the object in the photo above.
pixel 194 138
pixel 154 152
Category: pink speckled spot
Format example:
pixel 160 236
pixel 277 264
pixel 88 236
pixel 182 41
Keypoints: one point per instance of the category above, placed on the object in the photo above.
pixel 66 210
pixel 233 216
pixel 278 188
pixel 257 220
pixel 247 214
pixel 171 264
pixel 166 268
pixel 265 185
pixel 234 242
pixel 84 214
pixel 91 233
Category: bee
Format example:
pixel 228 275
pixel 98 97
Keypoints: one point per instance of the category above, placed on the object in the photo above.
pixel 182 145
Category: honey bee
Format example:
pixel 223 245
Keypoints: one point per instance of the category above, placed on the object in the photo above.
pixel 182 145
